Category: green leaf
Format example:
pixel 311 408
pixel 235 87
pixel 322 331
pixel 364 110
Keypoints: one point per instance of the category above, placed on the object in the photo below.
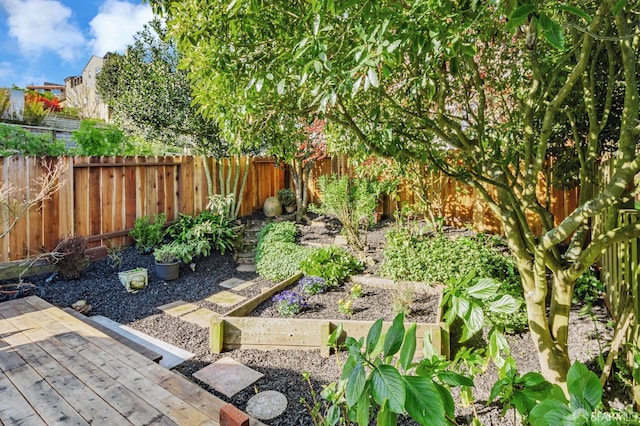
pixel 497 389
pixel 280 87
pixel 484 288
pixel 618 6
pixel 356 86
pixel 387 384
pixel 259 84
pixel 552 31
pixel 335 335
pixel 374 335
pixel 372 77
pixel 575 11
pixel 362 409
pixel 408 350
pixel 333 415
pixel 521 13
pixel 507 304
pixel 454 379
pixel 423 402
pixel 385 416
pixel 393 46
pixel 473 321
pixel 394 337
pixel 356 384
pixel 549 413
pixel 584 387
pixel 447 400
pixel 428 350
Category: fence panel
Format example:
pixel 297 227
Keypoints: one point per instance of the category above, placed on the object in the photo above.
pixel 102 196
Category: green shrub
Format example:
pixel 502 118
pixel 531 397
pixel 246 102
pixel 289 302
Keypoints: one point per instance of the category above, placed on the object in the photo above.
pixel 352 201
pixel 588 288
pixel 439 259
pixel 332 263
pixel 15 140
pixel 284 232
pixel 281 260
pixel 204 232
pixel 94 138
pixel 148 234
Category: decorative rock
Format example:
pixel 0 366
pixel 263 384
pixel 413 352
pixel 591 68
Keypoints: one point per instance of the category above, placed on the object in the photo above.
pixel 272 207
pixel 81 306
pixel 267 405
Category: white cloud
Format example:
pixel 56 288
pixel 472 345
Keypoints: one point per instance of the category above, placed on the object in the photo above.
pixel 116 23
pixel 43 25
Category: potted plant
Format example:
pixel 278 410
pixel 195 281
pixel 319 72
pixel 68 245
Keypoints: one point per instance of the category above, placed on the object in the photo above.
pixel 167 261
pixel 288 199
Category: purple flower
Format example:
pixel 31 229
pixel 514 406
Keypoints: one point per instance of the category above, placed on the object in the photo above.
pixel 289 302
pixel 312 285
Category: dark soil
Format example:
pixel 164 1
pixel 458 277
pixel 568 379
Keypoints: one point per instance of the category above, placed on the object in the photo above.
pixel 282 370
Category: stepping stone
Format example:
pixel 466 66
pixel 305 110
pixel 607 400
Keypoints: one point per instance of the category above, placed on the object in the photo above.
pixel 201 317
pixel 243 286
pixel 178 308
pixel 227 376
pixel 171 355
pixel 232 283
pixel 267 405
pixel 225 298
pixel 246 268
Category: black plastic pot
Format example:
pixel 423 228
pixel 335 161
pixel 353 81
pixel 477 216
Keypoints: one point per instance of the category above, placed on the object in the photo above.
pixel 168 271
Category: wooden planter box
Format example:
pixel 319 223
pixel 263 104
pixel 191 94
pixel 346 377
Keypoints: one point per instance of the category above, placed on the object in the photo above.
pixel 234 330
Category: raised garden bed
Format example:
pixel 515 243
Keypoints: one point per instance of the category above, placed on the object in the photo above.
pixel 238 330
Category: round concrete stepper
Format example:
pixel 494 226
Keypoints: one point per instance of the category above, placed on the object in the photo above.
pixel 267 405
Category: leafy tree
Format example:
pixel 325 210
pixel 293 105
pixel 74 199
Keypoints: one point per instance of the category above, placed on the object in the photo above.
pixel 5 101
pixel 151 97
pixel 481 90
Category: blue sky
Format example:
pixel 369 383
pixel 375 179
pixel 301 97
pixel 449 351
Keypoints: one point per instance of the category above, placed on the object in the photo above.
pixel 48 40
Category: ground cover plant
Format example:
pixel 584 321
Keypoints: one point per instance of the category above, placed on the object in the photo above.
pixel 278 257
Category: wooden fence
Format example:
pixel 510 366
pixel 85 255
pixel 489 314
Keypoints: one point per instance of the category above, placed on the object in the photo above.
pixel 460 204
pixel 102 196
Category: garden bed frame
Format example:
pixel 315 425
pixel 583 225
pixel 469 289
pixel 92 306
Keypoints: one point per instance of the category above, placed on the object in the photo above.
pixel 235 330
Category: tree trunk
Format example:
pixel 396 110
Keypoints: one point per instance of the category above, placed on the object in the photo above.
pixel 549 333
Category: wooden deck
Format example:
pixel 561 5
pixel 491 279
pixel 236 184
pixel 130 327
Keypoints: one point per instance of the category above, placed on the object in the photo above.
pixel 55 369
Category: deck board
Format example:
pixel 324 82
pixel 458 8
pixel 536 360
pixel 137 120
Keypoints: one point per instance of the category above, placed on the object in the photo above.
pixel 57 369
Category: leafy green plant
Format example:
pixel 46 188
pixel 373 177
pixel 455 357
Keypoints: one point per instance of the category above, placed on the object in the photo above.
pixel 34 112
pixel 202 233
pixel 148 233
pixel 520 392
pixel 382 378
pixel 588 288
pixel 286 197
pixel 332 263
pixel 281 260
pixel 351 201
pixel 168 253
pixel 16 141
pixel 5 100
pixel 95 138
pixel 475 302
pixel 414 256
pixel 284 232
pixel 356 291
pixel 345 306
pixel 585 394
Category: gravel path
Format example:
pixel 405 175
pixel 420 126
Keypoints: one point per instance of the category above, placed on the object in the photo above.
pixel 282 370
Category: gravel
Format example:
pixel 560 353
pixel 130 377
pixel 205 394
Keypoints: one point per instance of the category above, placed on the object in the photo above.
pixel 282 370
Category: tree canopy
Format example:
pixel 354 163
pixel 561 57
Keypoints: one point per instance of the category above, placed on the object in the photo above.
pixel 489 92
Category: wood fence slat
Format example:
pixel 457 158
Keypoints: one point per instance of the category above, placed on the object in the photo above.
pixel 95 200
pixel 18 235
pixel 34 227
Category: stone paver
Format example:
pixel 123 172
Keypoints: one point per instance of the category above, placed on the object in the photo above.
pixel 227 376
pixel 267 405
pixel 246 268
pixel 232 283
pixel 178 308
pixel 225 298
pixel 244 286
pixel 201 317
